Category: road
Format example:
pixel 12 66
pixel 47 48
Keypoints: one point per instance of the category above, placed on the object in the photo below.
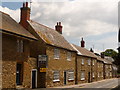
pixel 105 84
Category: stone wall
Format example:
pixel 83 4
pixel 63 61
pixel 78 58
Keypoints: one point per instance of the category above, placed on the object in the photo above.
pixel 100 71
pixel 30 64
pixel 61 64
pixel 85 67
pixel 8 74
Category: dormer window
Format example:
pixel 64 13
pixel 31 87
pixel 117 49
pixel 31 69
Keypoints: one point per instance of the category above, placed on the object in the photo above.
pixel 56 53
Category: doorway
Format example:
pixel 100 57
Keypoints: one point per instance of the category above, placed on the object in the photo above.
pixel 19 74
pixel 88 77
pixel 34 78
pixel 65 77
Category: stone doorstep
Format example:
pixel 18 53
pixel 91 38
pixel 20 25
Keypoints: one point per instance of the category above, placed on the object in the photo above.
pixel 19 87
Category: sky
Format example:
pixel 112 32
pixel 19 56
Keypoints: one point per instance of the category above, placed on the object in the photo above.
pixel 94 20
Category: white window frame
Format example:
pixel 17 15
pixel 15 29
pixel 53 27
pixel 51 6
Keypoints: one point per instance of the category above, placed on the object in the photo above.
pixel 56 53
pixel 82 77
pixel 93 75
pixel 93 62
pixel 82 61
pixel 70 75
pixel 89 62
pixel 56 74
pixel 69 56
pixel 98 74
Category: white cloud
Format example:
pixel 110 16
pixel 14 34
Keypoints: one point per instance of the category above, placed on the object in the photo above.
pixel 79 17
pixel 15 14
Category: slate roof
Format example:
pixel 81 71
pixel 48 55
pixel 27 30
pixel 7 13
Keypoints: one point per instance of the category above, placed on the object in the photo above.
pixel 8 24
pixel 50 36
pixel 83 51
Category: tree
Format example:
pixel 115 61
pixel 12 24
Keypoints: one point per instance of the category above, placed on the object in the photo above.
pixel 110 52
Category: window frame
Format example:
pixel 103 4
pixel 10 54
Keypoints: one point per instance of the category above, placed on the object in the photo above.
pixel 69 55
pixel 82 61
pixel 89 62
pixel 70 74
pixel 56 53
pixel 56 73
pixel 82 76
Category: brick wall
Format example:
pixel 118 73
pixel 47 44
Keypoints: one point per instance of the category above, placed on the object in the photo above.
pixel 60 64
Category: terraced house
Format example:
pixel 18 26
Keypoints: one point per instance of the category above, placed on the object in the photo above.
pixel 55 56
pixel 36 56
pixel 86 64
pixel 15 51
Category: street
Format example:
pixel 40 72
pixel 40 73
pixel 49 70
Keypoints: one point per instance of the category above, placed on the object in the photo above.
pixel 109 83
pixel 106 84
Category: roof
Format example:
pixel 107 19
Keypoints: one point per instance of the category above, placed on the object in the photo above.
pixel 50 36
pixel 100 59
pixel 104 60
pixel 83 51
pixel 10 25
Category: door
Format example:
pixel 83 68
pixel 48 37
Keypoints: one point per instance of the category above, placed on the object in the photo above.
pixel 34 81
pixel 65 77
pixel 19 74
pixel 88 77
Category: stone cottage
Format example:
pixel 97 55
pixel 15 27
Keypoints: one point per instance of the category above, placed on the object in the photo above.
pixel 15 52
pixel 55 56
pixel 86 64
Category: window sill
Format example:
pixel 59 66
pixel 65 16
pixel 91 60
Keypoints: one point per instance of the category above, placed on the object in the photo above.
pixel 56 80
pixel 56 58
pixel 70 79
pixel 82 79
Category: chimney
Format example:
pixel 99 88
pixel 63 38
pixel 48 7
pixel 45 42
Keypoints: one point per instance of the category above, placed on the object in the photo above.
pixel 102 55
pixel 82 43
pixel 91 50
pixel 58 27
pixel 25 15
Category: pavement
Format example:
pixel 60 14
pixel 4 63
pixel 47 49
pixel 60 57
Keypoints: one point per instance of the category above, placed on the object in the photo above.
pixel 106 83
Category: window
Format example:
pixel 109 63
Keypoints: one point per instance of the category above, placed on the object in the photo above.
pixel 70 75
pixel 93 62
pixel 56 54
pixel 102 74
pixel 98 74
pixel 89 61
pixel 20 45
pixel 69 56
pixel 82 62
pixel 56 76
pixel 93 74
pixel 82 75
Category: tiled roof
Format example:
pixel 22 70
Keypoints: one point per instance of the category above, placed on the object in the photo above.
pixel 10 25
pixel 104 60
pixel 83 51
pixel 50 36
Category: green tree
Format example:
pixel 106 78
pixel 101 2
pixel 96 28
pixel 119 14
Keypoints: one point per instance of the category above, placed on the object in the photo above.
pixel 110 52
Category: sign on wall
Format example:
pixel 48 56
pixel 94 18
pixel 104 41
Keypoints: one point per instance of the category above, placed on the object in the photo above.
pixel 42 61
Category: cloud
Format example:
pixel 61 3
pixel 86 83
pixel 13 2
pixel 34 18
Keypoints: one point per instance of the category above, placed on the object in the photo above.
pixel 15 14
pixel 80 18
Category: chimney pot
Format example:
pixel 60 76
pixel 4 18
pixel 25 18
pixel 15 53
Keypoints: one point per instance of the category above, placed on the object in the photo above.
pixel 23 4
pixel 59 23
pixel 26 4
